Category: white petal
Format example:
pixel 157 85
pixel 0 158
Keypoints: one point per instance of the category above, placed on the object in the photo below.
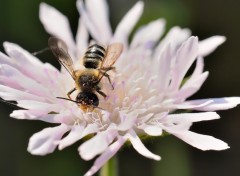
pixel 164 70
pixel 97 144
pixel 152 130
pixel 192 105
pixel 72 137
pixel 43 115
pixel 127 121
pixel 20 55
pixel 64 116
pixel 24 114
pixel 196 73
pixel 34 115
pixel 56 24
pixel 192 117
pixel 28 64
pixel 81 39
pixel 90 129
pixel 202 142
pixel 89 22
pixel 191 87
pixel 45 141
pixel 148 35
pixel 127 24
pixel 185 57
pixel 176 128
pixel 35 105
pixel 108 153
pixel 216 103
pixel 139 147
pixel 208 45
pixel 77 133
pixel 194 83
pixel 37 109
pixel 6 60
pixel 175 37
pixel 98 13
pixel 15 79
pixel 8 93
pixel 198 69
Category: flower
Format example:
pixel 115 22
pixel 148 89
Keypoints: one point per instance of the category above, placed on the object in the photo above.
pixel 150 84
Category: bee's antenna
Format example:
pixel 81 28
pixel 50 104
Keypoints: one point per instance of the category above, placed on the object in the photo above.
pixel 98 108
pixel 41 51
pixel 67 99
pixel 78 102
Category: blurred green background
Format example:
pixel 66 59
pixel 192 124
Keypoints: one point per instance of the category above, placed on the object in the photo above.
pixel 20 24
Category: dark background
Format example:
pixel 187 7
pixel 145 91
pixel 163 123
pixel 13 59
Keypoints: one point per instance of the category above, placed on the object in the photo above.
pixel 20 24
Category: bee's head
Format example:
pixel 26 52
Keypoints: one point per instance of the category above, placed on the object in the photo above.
pixel 87 99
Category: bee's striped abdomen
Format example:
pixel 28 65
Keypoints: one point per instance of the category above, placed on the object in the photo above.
pixel 94 56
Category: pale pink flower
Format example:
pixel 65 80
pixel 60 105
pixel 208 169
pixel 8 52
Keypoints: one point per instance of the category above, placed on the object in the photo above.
pixel 148 85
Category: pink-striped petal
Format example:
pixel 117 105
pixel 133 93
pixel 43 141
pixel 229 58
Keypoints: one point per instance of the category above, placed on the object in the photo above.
pixel 28 64
pixel 15 79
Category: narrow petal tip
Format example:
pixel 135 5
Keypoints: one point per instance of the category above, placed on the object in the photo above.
pixel 43 8
pixel 208 45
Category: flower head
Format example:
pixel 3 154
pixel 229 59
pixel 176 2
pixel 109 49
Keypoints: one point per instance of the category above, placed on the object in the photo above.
pixel 151 83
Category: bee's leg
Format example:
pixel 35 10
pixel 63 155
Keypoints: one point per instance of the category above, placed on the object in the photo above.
pixel 106 69
pixel 100 92
pixel 106 75
pixel 109 80
pixel 70 92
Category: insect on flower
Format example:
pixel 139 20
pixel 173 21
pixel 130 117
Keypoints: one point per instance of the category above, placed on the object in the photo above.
pixel 97 61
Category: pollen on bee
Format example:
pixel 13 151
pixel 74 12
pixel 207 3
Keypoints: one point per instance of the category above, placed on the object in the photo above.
pixel 86 108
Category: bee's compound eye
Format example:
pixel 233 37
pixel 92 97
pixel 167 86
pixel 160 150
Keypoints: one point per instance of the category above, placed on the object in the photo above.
pixel 87 98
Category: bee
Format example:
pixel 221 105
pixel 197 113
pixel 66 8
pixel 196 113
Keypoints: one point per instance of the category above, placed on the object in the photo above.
pixel 97 61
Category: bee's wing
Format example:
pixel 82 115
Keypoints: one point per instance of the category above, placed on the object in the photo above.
pixel 113 52
pixel 60 51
